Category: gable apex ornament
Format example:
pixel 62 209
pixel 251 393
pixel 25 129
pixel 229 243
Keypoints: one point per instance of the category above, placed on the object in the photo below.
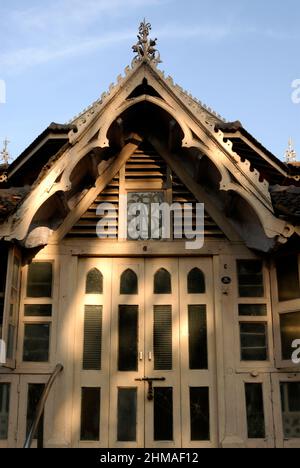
pixel 145 48
pixel 290 154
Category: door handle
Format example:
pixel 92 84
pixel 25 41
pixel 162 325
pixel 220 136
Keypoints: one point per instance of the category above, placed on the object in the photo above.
pixel 150 381
pixel 141 356
pixel 150 356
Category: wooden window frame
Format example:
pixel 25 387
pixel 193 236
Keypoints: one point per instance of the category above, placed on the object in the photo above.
pixel 8 319
pixel 281 440
pixel 282 308
pixel 264 380
pixel 267 319
pixel 126 186
pixel 24 320
pixel 13 381
pixel 123 213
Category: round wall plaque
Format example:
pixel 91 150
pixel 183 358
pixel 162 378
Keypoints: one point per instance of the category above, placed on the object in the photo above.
pixel 226 280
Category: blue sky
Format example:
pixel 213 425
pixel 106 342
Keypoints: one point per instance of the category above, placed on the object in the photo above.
pixel 238 56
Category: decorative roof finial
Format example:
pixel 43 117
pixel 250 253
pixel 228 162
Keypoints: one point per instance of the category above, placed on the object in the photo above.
pixel 290 154
pixel 145 49
pixel 4 154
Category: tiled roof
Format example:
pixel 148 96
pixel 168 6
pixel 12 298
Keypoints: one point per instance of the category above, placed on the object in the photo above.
pixel 286 201
pixel 10 199
pixel 54 128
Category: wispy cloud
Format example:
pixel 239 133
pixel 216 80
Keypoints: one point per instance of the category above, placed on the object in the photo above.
pixel 65 13
pixel 18 60
pixel 27 57
pixel 64 29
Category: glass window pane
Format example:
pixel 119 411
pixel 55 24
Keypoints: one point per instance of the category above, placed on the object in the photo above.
pixel 1 314
pixel 129 283
pixel 250 278
pixel 16 272
pixel 39 282
pixel 3 272
pixel 35 392
pixel 127 414
pixel 162 282
pixel 253 310
pixel 196 282
pixel 254 341
pixel 288 278
pixel 290 331
pixel 198 337
pixel 128 338
pixel 162 338
pixel 94 282
pixel 36 342
pixel 90 414
pixel 290 397
pixel 199 413
pixel 10 341
pixel 163 413
pixel 92 347
pixel 4 410
pixel 3 268
pixel 255 411
pixel 145 226
pixel 41 310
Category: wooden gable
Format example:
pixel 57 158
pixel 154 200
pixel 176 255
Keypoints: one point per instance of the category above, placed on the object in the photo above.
pixel 145 171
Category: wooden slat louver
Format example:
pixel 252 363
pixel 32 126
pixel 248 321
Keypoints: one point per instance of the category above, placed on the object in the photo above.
pixel 92 347
pixel 162 337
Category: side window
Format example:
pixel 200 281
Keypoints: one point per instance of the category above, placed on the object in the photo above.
pixel 34 395
pixel 290 332
pixel 4 410
pixel 3 274
pixel 39 280
pixel 253 312
pixel 287 305
pixel 254 343
pixel 38 312
pixel 288 278
pixel 255 411
pixel 290 400
pixel 250 278
pixel 11 305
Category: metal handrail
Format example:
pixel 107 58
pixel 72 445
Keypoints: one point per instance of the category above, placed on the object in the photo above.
pixel 41 406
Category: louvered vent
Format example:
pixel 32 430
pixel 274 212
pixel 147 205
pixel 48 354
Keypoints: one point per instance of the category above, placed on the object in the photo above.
pixel 145 166
pixel 182 195
pixel 87 225
pixel 145 171
pixel 162 337
pixel 92 348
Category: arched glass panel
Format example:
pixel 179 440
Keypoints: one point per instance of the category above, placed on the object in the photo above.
pixel 196 282
pixel 129 283
pixel 162 282
pixel 94 282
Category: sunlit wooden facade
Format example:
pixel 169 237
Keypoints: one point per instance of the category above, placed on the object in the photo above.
pixel 218 324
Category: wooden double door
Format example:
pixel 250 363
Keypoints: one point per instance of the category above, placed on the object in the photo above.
pixel 145 354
